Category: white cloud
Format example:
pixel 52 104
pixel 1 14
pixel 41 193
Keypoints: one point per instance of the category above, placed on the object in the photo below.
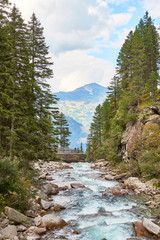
pixel 73 24
pixel 132 9
pixel 73 29
pixel 76 68
pixel 153 7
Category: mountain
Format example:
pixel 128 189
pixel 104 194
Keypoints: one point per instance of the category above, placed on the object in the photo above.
pixel 79 134
pixel 90 92
pixel 79 105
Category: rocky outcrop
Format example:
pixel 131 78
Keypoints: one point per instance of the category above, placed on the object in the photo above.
pixel 145 132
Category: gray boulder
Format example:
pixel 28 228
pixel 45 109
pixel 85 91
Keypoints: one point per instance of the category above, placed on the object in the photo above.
pixel 42 195
pixel 17 217
pixel 46 204
pixel 9 232
pixel 151 227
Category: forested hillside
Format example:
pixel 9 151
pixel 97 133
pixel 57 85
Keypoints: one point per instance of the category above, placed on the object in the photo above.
pixel 29 117
pixel 126 128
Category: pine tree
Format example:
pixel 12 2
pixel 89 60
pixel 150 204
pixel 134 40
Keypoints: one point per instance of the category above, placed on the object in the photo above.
pixel 63 130
pixel 115 91
pixel 81 148
pixel 150 36
pixel 43 101
pixel 138 66
pixel 4 75
pixel 123 63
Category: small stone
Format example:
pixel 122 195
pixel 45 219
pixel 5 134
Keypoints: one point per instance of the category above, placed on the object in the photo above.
pixel 21 228
pixel 38 220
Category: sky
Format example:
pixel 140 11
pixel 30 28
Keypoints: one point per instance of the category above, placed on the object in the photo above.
pixel 85 36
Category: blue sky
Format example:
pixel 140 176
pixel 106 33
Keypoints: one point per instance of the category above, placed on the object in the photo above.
pixel 85 36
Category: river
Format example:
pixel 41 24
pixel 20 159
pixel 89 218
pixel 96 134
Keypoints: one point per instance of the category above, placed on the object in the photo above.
pixel 88 214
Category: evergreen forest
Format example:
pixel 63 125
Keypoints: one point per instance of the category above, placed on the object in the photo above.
pixel 29 117
pixel 133 92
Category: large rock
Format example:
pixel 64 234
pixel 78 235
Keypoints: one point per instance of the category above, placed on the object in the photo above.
pixel 17 217
pixel 135 183
pixel 50 221
pixel 151 227
pixel 47 189
pixel 141 231
pixel 77 185
pixel 9 232
pixel 42 195
pixel 36 230
pixel 108 177
pixel 46 204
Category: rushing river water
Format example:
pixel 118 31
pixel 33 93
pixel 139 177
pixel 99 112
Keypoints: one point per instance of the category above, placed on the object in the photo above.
pixel 94 217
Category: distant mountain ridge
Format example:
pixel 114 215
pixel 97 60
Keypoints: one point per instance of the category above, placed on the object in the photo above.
pixel 89 92
pixel 79 106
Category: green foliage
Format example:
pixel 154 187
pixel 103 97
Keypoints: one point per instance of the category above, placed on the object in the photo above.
pixel 133 88
pixel 149 163
pixel 13 188
pixel 63 130
pixel 8 174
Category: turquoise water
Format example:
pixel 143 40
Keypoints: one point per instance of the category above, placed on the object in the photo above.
pixel 93 216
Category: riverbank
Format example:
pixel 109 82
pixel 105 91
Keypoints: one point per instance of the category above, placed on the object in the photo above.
pixel 68 193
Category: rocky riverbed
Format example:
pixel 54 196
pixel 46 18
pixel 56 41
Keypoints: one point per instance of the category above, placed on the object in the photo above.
pixel 84 201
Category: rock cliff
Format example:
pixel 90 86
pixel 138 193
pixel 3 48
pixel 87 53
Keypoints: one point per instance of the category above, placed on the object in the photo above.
pixel 141 140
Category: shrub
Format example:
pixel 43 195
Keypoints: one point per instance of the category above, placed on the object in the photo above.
pixel 13 188
pixel 8 175
pixel 149 163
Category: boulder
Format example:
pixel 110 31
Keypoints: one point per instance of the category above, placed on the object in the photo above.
pixel 120 176
pixel 38 220
pixel 9 232
pixel 47 189
pixel 17 217
pixel 21 228
pixel 50 221
pixel 46 204
pixel 57 207
pixel 108 177
pixel 55 191
pixel 36 230
pixel 42 195
pixel 33 205
pixel 30 213
pixel 150 226
pixel 135 183
pixel 77 185
pixel 141 231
